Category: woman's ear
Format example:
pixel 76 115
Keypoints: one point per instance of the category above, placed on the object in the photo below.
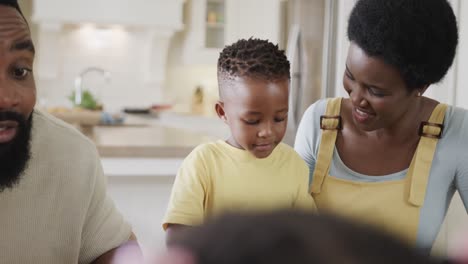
pixel 219 107
pixel 422 90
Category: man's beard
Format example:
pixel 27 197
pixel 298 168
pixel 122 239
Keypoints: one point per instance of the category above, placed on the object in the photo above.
pixel 15 154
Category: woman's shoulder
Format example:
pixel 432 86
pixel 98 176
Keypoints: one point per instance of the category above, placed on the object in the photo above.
pixel 454 140
pixel 457 113
pixel 308 132
pixel 317 108
pixel 456 121
pixel 311 117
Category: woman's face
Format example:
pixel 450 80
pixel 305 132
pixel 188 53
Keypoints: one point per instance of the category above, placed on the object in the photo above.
pixel 378 93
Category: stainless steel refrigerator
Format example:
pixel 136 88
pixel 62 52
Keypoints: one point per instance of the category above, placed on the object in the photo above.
pixel 310 47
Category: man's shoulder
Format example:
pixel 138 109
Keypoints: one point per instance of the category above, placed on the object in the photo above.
pixel 55 133
pixel 61 155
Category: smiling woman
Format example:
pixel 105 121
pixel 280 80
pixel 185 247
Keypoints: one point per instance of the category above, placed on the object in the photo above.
pixel 395 158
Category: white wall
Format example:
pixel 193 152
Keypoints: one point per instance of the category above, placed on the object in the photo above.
pixel 462 60
pixel 344 8
pixel 115 49
pixel 130 40
pixel 142 13
pixel 182 79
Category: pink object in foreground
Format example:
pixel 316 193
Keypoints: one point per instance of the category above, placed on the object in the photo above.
pixel 174 256
pixel 460 252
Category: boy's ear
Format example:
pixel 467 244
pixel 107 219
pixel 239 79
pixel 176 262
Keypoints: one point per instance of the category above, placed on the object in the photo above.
pixel 219 107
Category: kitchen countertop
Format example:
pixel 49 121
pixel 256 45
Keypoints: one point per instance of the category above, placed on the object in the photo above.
pixel 147 138
pixel 153 141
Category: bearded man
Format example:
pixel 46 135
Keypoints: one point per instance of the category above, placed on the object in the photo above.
pixel 53 202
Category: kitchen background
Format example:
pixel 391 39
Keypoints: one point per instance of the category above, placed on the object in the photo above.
pixel 158 58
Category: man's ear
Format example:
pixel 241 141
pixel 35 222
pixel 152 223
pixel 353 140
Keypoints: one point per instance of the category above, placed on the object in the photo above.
pixel 219 107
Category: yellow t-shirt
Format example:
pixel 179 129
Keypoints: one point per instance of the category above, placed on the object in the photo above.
pixel 217 177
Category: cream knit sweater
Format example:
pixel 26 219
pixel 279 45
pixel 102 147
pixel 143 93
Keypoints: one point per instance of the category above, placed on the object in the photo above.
pixel 59 212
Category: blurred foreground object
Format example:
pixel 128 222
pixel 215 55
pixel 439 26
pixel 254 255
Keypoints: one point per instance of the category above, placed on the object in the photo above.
pixel 291 237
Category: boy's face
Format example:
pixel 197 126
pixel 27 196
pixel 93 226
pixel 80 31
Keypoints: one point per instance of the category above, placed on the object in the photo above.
pixel 256 112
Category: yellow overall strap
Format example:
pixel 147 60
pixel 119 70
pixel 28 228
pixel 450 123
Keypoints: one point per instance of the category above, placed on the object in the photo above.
pixel 420 167
pixel 330 123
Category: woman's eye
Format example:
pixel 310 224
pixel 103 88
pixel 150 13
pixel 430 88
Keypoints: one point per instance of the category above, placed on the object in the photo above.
pixel 279 120
pixel 374 92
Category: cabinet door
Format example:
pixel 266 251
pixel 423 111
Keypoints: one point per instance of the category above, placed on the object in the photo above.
pixel 253 18
pixel 206 31
pixel 215 23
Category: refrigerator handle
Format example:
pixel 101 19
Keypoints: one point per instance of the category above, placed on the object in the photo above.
pixel 294 55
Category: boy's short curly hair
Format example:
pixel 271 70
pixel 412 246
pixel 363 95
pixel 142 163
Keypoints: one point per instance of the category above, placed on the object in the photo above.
pixel 418 37
pixel 255 58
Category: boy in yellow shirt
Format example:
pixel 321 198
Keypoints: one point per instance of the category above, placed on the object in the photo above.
pixel 252 169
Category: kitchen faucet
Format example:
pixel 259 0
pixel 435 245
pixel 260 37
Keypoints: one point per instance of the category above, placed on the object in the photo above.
pixel 79 81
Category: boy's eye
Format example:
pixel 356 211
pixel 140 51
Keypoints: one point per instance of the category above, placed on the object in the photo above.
pixel 348 75
pixel 279 120
pixel 251 122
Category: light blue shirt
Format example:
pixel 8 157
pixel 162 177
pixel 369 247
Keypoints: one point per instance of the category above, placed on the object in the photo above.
pixel 449 171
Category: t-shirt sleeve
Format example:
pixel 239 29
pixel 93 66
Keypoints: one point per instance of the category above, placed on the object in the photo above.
pixel 104 227
pixel 308 134
pixel 304 199
pixel 186 204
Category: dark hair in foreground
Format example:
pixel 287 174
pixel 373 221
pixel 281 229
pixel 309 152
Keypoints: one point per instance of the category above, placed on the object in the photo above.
pixel 418 37
pixel 291 237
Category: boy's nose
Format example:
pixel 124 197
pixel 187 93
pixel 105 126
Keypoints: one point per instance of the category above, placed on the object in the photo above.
pixel 266 130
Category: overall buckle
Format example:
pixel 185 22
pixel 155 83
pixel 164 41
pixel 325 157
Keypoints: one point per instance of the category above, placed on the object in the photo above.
pixel 324 127
pixel 430 135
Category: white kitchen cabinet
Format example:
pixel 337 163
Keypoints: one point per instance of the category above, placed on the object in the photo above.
pixel 213 24
pixel 108 34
